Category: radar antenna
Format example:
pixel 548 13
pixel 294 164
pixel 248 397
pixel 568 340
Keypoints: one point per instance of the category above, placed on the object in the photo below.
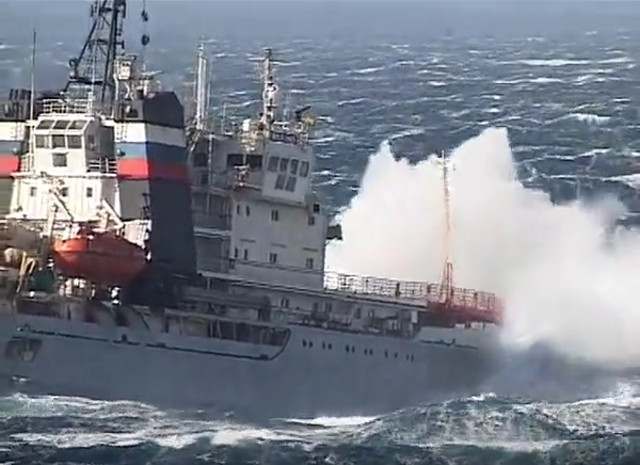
pixel 92 71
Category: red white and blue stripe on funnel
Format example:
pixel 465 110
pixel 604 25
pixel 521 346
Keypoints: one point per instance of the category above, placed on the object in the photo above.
pixel 147 151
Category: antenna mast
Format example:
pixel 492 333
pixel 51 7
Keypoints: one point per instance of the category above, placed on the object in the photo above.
pixel 447 272
pixel 269 89
pixel 103 44
pixel 202 94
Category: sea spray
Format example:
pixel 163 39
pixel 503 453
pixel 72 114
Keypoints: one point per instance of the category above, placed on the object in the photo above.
pixel 564 277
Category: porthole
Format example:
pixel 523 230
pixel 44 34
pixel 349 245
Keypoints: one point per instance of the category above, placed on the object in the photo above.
pixel 347 348
pixel 329 346
pixel 323 345
pixel 310 344
pixel 304 343
pixel 386 354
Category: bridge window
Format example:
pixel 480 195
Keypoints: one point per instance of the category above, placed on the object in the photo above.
pixel 61 124
pixel 294 167
pixel 58 141
pixel 273 164
pixel 304 169
pixel 64 191
pixel 74 142
pixel 280 181
pixel 316 208
pixel 273 258
pixel 43 142
pixel 275 215
pixel 89 192
pixel 77 124
pixel 284 164
pixel 59 160
pixel 309 263
pixel 245 255
pixel 33 191
pixel 291 184
pixel 45 124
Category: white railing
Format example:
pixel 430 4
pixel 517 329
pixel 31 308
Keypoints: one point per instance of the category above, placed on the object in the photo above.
pixel 76 106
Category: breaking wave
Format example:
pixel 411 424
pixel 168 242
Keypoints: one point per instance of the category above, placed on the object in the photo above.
pixel 567 277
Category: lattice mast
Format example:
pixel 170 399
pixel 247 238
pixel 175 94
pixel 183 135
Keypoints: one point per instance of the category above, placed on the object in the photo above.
pixel 91 73
pixel 202 89
pixel 446 289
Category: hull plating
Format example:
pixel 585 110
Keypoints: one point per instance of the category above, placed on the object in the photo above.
pixel 315 372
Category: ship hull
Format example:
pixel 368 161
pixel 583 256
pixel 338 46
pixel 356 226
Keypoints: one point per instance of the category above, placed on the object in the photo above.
pixel 331 376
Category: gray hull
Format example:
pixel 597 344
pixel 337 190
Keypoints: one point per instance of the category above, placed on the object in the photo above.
pixel 316 372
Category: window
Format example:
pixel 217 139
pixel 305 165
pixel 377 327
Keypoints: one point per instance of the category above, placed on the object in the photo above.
pixel 45 124
pixel 273 258
pixel 310 263
pixel 77 124
pixel 33 191
pixel 91 142
pixel 59 160
pixel 280 181
pixel 58 141
pixel 245 255
pixel 254 162
pixel 312 220
pixel 294 167
pixel 61 124
pixel 291 184
pixel 275 215
pixel 358 313
pixel 64 191
pixel 236 252
pixel 247 210
pixel 304 169
pixel 204 179
pixel 235 159
pixel 238 209
pixel 43 142
pixel 74 142
pixel 316 208
pixel 89 192
pixel 284 302
pixel 273 164
pixel 284 164
pixel 327 307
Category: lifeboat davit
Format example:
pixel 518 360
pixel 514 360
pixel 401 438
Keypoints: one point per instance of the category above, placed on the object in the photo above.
pixel 100 257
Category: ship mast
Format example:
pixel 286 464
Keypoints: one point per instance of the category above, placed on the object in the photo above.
pixel 447 272
pixel 201 90
pixel 269 90
pixel 92 71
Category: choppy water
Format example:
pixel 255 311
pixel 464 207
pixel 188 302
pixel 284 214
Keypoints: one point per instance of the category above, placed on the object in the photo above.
pixel 562 79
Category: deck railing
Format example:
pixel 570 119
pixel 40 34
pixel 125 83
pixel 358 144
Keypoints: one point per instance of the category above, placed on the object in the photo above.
pixel 455 298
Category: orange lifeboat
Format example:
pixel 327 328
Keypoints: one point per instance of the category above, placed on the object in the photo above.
pixel 99 257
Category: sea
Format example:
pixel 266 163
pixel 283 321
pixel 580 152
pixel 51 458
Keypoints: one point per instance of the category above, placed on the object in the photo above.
pixel 535 105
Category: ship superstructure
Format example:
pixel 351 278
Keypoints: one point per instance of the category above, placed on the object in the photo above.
pixel 185 266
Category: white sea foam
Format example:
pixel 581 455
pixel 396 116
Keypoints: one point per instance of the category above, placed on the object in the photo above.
pixel 563 279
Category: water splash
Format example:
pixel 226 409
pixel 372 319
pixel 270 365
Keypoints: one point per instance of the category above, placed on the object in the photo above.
pixel 565 278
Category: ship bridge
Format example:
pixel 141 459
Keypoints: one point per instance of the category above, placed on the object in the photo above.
pixel 72 155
